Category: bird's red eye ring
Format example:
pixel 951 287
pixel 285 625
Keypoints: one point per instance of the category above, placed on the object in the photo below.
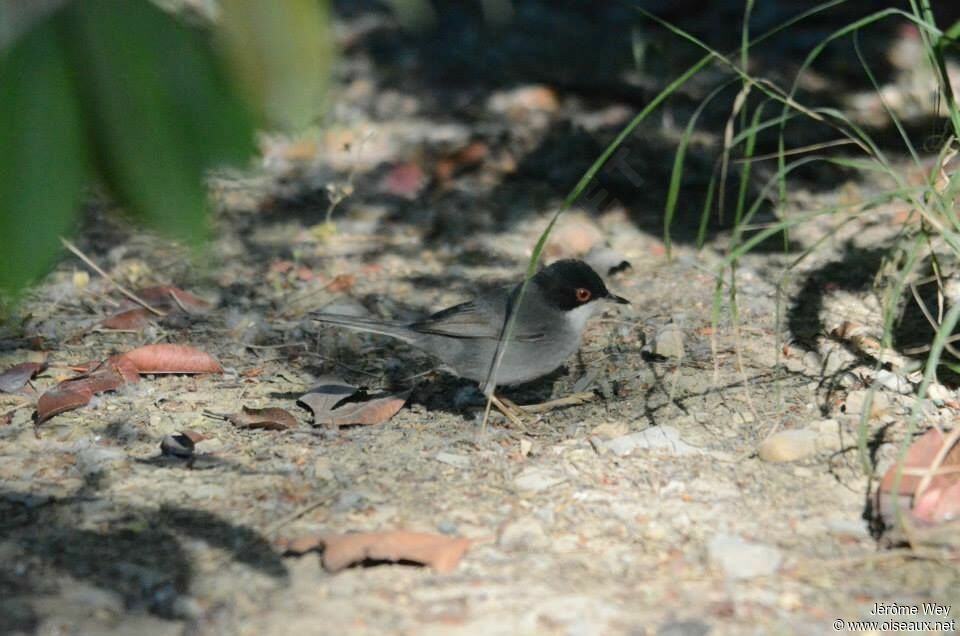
pixel 583 294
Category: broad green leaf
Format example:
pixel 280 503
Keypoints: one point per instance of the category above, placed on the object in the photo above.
pixel 281 54
pixel 42 160
pixel 158 108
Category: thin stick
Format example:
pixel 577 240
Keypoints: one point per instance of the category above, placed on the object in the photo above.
pixel 123 290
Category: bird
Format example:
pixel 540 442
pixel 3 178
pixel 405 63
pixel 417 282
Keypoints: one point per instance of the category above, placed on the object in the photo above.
pixel 554 309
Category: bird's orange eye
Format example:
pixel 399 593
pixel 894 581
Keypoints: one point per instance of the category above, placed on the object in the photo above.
pixel 583 294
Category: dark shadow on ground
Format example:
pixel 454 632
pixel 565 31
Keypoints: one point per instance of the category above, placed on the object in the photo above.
pixel 135 553
pixel 854 271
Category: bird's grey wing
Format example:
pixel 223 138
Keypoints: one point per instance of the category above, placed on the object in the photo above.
pixel 471 320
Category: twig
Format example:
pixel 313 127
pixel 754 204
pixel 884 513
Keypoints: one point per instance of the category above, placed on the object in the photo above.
pixel 123 290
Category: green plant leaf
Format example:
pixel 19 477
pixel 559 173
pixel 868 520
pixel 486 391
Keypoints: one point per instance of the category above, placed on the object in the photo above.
pixel 281 54
pixel 42 160
pixel 159 109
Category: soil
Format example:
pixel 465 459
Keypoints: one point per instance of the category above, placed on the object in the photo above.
pixel 582 524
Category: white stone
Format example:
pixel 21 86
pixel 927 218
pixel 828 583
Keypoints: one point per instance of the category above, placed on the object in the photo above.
pixel 665 438
pixel 789 446
pixel 451 459
pixel 740 559
pixel 536 479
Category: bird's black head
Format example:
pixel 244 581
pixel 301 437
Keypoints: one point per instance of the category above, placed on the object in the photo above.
pixel 570 283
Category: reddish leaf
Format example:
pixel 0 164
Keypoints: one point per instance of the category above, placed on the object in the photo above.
pixel 405 180
pixel 467 157
pixel 131 319
pixel 182 444
pixel 171 358
pixel 342 282
pixel 440 552
pixel 939 501
pixel 272 418
pixel 14 378
pixel 333 405
pixel 920 456
pixel 164 298
pixel 76 392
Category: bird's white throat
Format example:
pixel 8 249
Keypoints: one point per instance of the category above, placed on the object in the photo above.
pixel 577 318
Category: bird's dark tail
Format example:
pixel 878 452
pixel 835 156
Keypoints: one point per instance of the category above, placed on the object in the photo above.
pixel 394 329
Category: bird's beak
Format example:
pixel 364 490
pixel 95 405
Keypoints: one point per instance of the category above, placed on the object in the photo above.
pixel 620 300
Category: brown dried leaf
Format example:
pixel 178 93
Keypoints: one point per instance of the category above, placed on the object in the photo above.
pixel 333 406
pixel 271 419
pixel 171 358
pixel 165 298
pixel 76 392
pixel 440 552
pixel 131 319
pixel 17 376
pixel 404 180
pixel 340 283
pixel 467 157
pixel 920 456
pixel 182 444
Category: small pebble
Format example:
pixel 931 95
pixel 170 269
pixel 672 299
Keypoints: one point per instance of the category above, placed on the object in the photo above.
pixel 536 479
pixel 669 342
pixel 893 382
pixel 740 559
pixel 524 534
pixel 789 446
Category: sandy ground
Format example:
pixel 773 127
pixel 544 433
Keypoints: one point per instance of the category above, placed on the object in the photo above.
pixel 645 511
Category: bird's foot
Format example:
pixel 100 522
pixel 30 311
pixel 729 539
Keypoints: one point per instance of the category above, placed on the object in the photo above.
pixel 550 405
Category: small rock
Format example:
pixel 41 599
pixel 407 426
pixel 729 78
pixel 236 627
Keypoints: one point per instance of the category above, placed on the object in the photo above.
pixel 525 533
pixel 856 400
pixel 684 628
pixel 606 261
pixel 893 382
pixel 536 479
pixel 451 459
pixel 739 559
pixel 609 430
pixel 654 438
pixel 789 446
pixel 95 459
pixel 829 435
pixel 669 342
pixel 209 445
pixel 848 527
pixel 322 469
pixel 937 391
pixel 574 238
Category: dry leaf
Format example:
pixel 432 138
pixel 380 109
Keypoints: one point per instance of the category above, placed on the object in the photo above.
pixel 467 157
pixel 271 418
pixel 17 376
pixel 340 283
pixel 171 358
pixel 939 501
pixel 335 403
pixel 131 319
pixel 76 392
pixel 168 299
pixel 440 552
pixel 404 180
pixel 182 444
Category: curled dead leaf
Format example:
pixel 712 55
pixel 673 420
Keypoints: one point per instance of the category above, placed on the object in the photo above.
pixel 442 553
pixel 930 482
pixel 17 376
pixel 271 419
pixel 76 392
pixel 182 444
pixel 165 298
pixel 335 403
pixel 171 358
